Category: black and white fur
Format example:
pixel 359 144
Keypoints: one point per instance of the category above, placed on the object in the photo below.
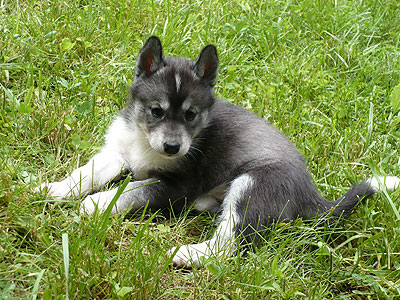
pixel 186 148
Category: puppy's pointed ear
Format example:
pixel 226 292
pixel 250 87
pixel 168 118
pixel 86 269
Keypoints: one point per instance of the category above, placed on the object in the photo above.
pixel 206 66
pixel 150 58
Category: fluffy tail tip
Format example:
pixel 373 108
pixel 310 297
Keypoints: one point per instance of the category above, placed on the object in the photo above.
pixel 380 183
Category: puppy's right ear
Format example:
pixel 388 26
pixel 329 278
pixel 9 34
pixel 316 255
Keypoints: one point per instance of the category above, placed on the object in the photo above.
pixel 150 58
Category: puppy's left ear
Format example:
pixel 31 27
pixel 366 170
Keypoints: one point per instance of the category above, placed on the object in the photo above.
pixel 150 58
pixel 206 66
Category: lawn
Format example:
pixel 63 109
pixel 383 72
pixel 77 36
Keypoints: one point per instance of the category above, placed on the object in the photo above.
pixel 323 72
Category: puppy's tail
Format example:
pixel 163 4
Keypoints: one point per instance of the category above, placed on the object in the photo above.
pixel 344 206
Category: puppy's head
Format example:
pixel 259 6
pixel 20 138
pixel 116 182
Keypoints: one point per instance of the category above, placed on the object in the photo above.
pixel 171 97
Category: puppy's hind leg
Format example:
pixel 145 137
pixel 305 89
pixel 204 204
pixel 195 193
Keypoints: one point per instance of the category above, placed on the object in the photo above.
pixel 223 241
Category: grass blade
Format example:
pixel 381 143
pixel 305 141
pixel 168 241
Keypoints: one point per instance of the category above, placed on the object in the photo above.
pixel 36 285
pixel 66 261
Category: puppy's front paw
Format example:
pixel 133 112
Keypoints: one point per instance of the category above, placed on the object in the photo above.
pixel 191 255
pixel 55 190
pixel 100 200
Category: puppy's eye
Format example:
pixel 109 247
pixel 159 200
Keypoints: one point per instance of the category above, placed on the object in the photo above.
pixel 157 112
pixel 190 115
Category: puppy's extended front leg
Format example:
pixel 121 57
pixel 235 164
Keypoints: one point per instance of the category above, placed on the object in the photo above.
pixel 136 195
pixel 102 168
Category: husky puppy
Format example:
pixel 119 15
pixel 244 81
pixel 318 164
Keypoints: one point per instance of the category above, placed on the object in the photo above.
pixel 188 149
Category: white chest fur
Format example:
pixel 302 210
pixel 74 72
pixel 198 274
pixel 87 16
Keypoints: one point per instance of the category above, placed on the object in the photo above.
pixel 131 144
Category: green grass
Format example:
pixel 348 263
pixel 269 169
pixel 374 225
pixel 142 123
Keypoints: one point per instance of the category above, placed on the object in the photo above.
pixel 321 71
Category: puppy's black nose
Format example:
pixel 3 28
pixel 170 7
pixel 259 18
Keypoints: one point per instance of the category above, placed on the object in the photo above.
pixel 171 147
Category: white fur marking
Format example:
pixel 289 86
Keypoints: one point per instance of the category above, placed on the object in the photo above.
pixel 210 199
pixel 178 82
pixel 164 103
pixel 187 104
pixel 223 241
pixel 381 182
pixel 204 203
pixel 100 200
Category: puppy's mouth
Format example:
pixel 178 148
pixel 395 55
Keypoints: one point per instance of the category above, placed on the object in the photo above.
pixel 172 156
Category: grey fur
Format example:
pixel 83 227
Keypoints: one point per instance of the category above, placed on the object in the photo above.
pixel 226 141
